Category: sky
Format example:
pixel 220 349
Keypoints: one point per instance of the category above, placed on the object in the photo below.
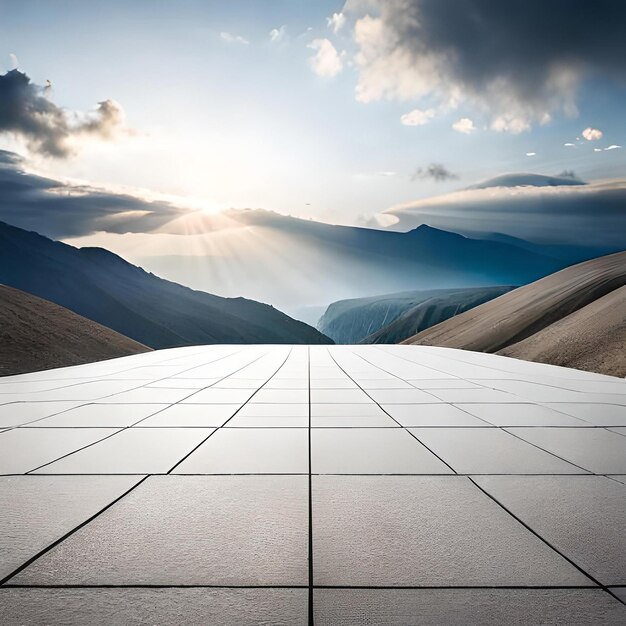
pixel 326 110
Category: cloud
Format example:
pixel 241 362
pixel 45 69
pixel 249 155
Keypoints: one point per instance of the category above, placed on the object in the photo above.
pixel 588 214
pixel 336 22
pixel 386 173
pixel 519 61
pixel 14 62
pixel 434 171
pixel 592 134
pixel 230 38
pixel 49 130
pixel 531 154
pixel 58 209
pixel 326 62
pixel 613 147
pixel 278 34
pixel 465 125
pixel 569 145
pixel 417 117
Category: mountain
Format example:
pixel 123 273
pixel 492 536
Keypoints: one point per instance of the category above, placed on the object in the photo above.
pixel 593 338
pixel 36 334
pixel 574 318
pixel 362 319
pixel 432 311
pixel 313 264
pixel 105 288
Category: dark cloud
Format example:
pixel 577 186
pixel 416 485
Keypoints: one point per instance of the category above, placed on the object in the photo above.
pixel 520 59
pixel 26 112
pixel 58 210
pixel 589 215
pixel 434 171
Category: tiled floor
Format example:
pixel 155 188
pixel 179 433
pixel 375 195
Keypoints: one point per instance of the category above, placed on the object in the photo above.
pixel 298 485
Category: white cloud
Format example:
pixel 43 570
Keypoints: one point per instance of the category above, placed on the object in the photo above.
pixel 14 62
pixel 326 62
pixel 386 173
pixel 614 147
pixel 569 145
pixel 412 50
pixel 230 38
pixel 278 34
pixel 336 22
pixel 597 149
pixel 465 125
pixel 592 134
pixel 531 154
pixel 510 123
pixel 417 117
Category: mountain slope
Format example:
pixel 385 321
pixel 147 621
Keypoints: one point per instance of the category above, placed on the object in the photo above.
pixel 434 310
pixel 359 319
pixel 101 286
pixel 593 338
pixel 36 334
pixel 312 264
pixel 551 303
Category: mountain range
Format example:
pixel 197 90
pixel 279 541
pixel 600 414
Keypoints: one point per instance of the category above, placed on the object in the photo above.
pixel 391 318
pixel 36 334
pixel 313 264
pixel 573 318
pixel 103 287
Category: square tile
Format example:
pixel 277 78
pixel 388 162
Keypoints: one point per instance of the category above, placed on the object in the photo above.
pixel 597 450
pixel 339 396
pixel 333 383
pixel 274 410
pixel 371 451
pixel 192 415
pixel 432 415
pixel 402 396
pixel 490 451
pixel 424 530
pixel 581 516
pixel 25 449
pixel 250 421
pixel 353 421
pixel 347 410
pixel 219 396
pixel 18 413
pixel 386 383
pixel 35 511
pixel 189 530
pixel 460 607
pixel 474 395
pixel 164 606
pixel 100 415
pixel 132 451
pixel 281 396
pixel 250 451
pixel 520 415
pixel 596 414
pixel 149 395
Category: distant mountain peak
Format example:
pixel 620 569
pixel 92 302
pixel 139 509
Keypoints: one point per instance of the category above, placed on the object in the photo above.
pixel 427 231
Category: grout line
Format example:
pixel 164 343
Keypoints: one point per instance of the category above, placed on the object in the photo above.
pixel 311 615
pixel 550 545
pixel 141 420
pixel 389 414
pixel 239 409
pixel 71 532
pixel 496 426
pixel 322 587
